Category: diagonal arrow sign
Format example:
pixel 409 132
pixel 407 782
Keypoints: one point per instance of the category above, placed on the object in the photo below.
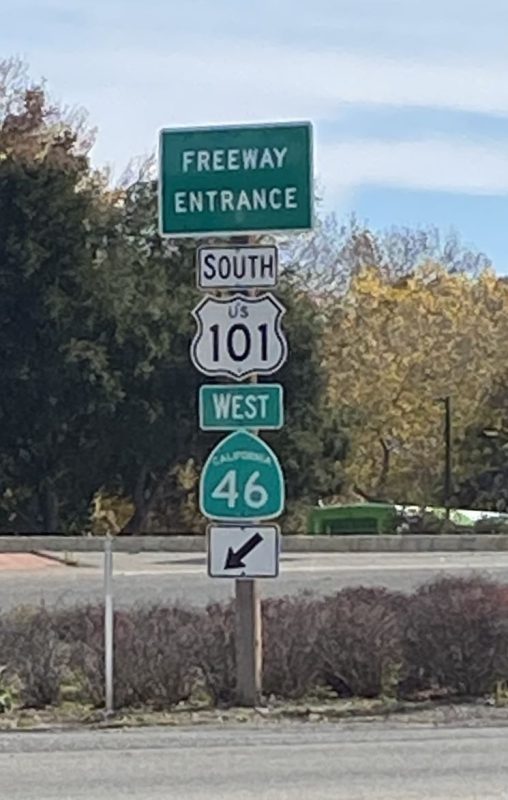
pixel 235 560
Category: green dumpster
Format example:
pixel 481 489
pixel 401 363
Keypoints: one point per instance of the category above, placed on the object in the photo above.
pixel 360 518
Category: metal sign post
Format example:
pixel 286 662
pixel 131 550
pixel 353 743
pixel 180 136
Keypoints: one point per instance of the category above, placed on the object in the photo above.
pixel 108 624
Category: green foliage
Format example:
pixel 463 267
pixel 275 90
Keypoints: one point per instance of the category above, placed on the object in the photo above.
pixel 482 481
pixel 152 290
pixel 53 371
pixel 158 437
pixel 99 400
pixel 96 319
pixel 394 349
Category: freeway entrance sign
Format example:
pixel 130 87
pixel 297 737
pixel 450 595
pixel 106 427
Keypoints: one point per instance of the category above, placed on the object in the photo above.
pixel 235 179
pixel 241 479
pixel 243 266
pixel 239 336
pixel 228 407
pixel 246 551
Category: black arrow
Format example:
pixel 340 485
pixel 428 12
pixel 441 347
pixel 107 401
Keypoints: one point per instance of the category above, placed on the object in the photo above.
pixel 235 560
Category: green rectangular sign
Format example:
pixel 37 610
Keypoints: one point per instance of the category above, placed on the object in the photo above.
pixel 235 179
pixel 229 407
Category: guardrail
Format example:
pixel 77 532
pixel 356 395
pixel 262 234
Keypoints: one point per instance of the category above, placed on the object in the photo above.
pixel 406 543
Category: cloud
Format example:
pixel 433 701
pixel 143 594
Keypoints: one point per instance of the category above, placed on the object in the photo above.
pixel 203 79
pixel 451 26
pixel 200 86
pixel 232 82
pixel 323 80
pixel 133 91
pixel 431 164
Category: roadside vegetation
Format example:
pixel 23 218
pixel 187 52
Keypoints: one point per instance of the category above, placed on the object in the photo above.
pixel 448 640
pixel 98 417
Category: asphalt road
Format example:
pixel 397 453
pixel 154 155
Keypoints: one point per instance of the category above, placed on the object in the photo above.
pixel 302 762
pixel 166 577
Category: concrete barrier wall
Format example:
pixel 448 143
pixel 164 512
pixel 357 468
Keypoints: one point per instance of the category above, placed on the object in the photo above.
pixel 421 543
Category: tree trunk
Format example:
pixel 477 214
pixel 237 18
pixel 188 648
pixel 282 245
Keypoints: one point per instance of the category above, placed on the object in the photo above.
pixel 142 504
pixel 370 498
pixel 136 521
pixel 379 492
pixel 385 469
pixel 50 509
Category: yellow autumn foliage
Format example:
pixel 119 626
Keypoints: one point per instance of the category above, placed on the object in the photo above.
pixel 110 513
pixel 392 350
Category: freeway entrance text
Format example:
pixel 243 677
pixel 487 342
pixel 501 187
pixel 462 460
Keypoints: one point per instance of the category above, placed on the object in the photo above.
pixel 236 179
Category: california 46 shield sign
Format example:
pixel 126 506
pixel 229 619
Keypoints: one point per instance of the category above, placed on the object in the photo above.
pixel 239 336
pixel 242 479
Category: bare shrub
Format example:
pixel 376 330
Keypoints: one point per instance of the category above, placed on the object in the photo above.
pixel 154 660
pixel 215 652
pixel 82 628
pixel 450 636
pixel 32 652
pixel 456 637
pixel 291 663
pixel 359 642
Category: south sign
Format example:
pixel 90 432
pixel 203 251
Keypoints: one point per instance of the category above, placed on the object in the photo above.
pixel 243 266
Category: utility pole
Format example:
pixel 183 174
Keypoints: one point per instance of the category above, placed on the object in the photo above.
pixel 448 455
pixel 447 475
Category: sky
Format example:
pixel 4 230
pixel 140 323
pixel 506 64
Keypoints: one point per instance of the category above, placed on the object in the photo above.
pixel 408 98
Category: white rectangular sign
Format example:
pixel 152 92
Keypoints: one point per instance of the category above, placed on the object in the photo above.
pixel 241 267
pixel 243 551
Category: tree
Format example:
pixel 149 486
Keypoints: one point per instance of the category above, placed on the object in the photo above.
pixel 98 395
pixel 96 322
pixel 482 473
pixel 329 256
pixel 53 223
pixel 152 292
pixel 313 443
pixel 160 462
pixel 482 455
pixel 393 349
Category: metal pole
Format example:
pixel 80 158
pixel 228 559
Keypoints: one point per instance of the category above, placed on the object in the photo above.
pixel 448 455
pixel 108 623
